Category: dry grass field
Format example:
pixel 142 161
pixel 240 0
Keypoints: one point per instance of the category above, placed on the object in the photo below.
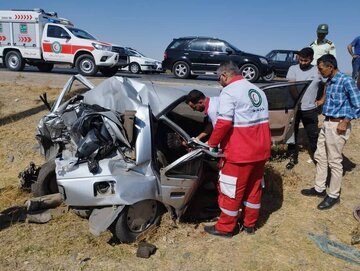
pixel 65 243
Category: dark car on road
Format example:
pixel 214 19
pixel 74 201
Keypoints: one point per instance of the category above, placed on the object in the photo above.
pixel 189 57
pixel 281 60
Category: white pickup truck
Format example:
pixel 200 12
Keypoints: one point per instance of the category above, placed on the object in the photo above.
pixel 42 39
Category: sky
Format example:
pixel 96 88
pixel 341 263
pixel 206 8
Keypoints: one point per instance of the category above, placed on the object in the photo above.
pixel 253 26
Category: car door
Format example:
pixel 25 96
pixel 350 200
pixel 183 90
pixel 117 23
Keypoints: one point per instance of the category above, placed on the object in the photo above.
pixel 180 180
pixel 216 54
pixel 289 60
pixel 283 100
pixel 182 174
pixel 280 62
pixel 56 44
pixel 196 54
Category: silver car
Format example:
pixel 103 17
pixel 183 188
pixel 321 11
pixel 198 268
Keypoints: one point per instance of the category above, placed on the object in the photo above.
pixel 121 151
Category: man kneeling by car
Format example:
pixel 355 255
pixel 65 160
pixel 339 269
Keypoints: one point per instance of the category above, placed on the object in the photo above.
pixel 242 130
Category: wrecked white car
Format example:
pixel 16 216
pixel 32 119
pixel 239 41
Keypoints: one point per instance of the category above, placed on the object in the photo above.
pixel 123 150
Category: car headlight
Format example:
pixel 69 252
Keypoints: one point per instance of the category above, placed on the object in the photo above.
pixel 149 62
pixel 101 47
pixel 263 61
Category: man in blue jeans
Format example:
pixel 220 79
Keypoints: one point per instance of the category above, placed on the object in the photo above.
pixel 355 56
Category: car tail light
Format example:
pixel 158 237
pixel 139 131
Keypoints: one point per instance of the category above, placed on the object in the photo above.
pixel 165 55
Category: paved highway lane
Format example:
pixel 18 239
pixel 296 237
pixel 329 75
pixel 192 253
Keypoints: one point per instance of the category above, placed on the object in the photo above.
pixel 58 77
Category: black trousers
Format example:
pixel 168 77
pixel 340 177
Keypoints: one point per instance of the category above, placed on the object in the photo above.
pixel 310 121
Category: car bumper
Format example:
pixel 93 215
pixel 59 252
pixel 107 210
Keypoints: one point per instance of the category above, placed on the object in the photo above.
pixel 105 58
pixel 265 69
pixel 166 64
pixel 155 67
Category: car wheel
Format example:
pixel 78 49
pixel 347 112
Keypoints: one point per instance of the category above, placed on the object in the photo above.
pixel 181 70
pixel 108 72
pixel 135 219
pixel 134 68
pixel 45 67
pixel 14 61
pixel 269 77
pixel 250 72
pixel 86 66
pixel 46 181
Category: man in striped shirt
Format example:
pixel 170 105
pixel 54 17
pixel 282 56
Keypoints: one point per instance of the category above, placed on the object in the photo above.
pixel 342 104
pixel 243 132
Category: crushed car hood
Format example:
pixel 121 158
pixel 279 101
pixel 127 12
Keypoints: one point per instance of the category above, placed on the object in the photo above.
pixel 120 94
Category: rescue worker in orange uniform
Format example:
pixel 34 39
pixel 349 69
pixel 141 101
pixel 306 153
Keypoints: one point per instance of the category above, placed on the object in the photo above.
pixel 243 132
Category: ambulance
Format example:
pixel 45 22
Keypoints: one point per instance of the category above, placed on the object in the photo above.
pixel 42 39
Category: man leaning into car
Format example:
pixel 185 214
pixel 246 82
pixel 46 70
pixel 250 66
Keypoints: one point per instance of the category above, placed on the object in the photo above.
pixel 242 130
pixel 209 105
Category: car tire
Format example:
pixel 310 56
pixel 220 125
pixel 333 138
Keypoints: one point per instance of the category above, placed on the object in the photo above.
pixel 135 219
pixel 45 67
pixel 250 72
pixel 269 77
pixel 181 70
pixel 134 68
pixel 108 72
pixel 86 65
pixel 46 181
pixel 14 61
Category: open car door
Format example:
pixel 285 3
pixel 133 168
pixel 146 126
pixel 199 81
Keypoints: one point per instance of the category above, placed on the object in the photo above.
pixel 284 100
pixel 180 180
pixel 183 173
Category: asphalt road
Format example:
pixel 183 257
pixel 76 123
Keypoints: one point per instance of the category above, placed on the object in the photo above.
pixel 59 75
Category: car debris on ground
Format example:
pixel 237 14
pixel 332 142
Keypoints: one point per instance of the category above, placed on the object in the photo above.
pixel 35 210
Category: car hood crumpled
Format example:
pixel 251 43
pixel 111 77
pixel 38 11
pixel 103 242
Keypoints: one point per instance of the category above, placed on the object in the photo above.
pixel 121 94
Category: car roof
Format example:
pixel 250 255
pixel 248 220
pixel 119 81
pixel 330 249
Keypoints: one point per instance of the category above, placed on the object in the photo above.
pixel 284 50
pixel 195 37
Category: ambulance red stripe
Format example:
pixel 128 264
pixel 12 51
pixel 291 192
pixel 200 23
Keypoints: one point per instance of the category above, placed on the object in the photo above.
pixel 66 49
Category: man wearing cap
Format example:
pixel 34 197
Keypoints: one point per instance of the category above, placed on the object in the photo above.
pixel 322 46
pixel 355 56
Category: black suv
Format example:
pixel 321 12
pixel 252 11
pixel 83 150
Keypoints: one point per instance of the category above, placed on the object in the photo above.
pixel 281 60
pixel 192 56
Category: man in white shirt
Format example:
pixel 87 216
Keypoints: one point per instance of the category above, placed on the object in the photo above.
pixel 321 45
pixel 307 113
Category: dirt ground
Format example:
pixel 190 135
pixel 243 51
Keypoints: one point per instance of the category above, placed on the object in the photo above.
pixel 281 243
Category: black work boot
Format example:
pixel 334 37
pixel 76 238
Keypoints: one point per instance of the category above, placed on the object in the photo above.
pixel 248 230
pixel 311 192
pixel 291 164
pixel 211 230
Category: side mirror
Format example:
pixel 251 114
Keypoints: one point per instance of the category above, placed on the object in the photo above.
pixel 229 51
